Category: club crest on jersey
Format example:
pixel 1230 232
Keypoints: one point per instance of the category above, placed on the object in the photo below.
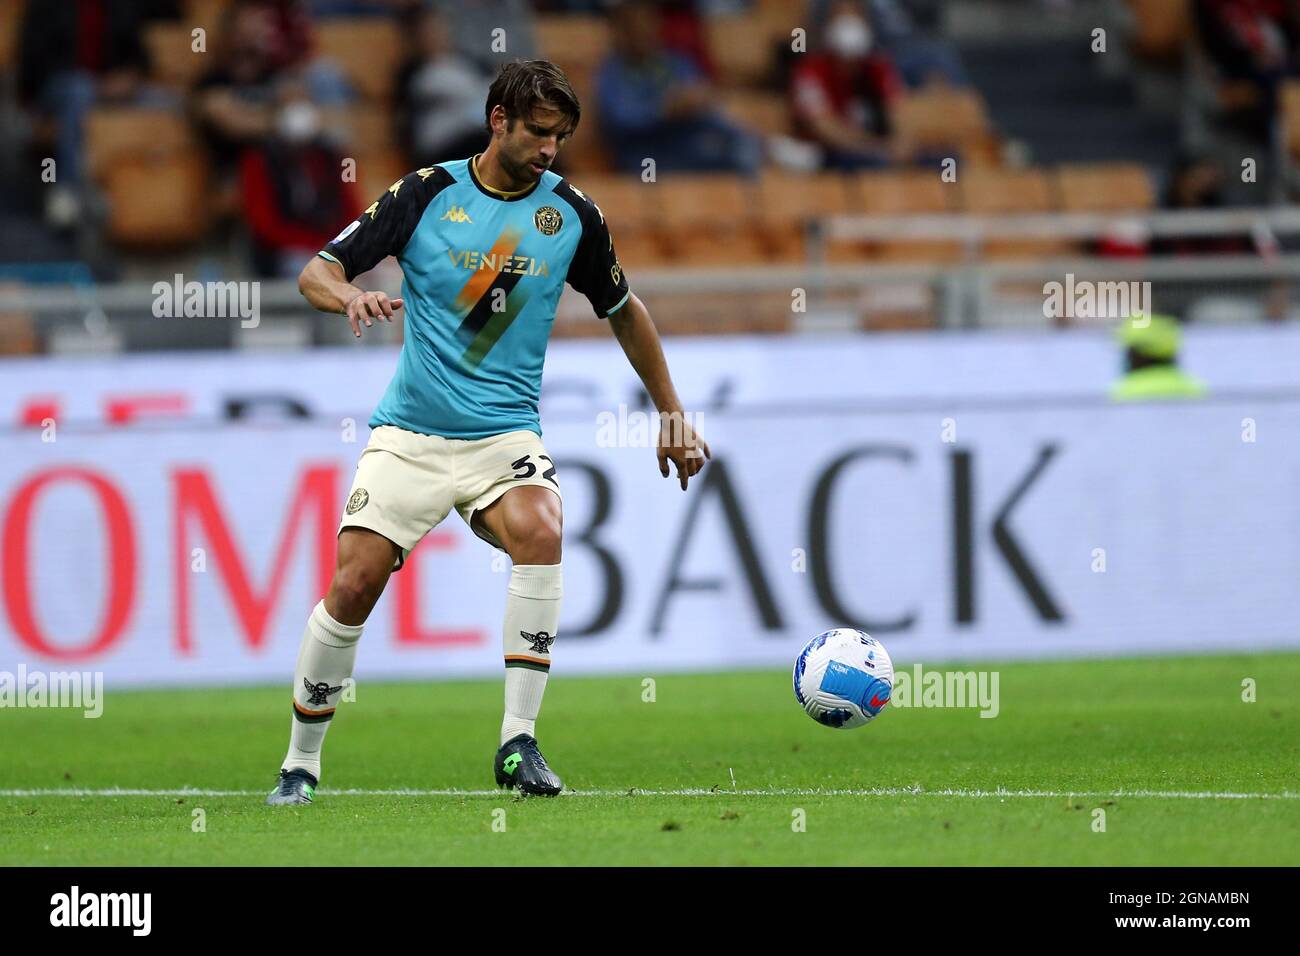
pixel 541 641
pixel 319 692
pixel 358 500
pixel 548 220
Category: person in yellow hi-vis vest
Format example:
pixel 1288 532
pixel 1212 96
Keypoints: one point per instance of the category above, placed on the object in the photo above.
pixel 1151 362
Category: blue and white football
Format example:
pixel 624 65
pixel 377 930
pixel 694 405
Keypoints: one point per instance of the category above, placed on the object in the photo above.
pixel 843 678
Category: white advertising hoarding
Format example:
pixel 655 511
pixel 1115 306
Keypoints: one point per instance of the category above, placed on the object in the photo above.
pixel 186 553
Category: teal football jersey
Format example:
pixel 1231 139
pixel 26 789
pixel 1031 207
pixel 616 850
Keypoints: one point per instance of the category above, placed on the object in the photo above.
pixel 482 273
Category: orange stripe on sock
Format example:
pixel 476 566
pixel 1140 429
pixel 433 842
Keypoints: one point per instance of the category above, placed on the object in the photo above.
pixel 525 657
pixel 311 713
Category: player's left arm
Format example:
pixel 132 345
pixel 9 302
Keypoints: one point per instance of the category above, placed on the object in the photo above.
pixel 596 272
pixel 678 441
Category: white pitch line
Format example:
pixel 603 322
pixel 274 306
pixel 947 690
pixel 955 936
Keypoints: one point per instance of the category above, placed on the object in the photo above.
pixel 688 792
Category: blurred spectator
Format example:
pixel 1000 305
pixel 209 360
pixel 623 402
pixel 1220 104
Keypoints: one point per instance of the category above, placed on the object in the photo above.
pixel 474 25
pixel 440 94
pixel 1197 182
pixel 233 101
pixel 258 41
pixel 906 30
pixel 842 97
pixel 682 30
pixel 1255 41
pixel 73 56
pixel 294 196
pixel 655 103
pixel 1151 369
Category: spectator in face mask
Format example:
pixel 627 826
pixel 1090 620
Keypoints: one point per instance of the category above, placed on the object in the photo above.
pixel 908 30
pixel 842 95
pixel 294 196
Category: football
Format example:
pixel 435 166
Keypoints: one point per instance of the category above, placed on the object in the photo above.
pixel 843 678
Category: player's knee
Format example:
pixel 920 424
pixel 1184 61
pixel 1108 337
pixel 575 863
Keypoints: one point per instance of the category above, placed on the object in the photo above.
pixel 353 592
pixel 537 540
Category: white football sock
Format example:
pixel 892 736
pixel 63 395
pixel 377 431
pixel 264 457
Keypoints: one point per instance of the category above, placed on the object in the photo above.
pixel 325 659
pixel 532 615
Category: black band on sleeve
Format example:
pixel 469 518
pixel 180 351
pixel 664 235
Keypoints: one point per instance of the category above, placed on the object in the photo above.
pixel 594 270
pixel 386 226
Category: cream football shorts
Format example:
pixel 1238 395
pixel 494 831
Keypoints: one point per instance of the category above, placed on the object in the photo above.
pixel 406 483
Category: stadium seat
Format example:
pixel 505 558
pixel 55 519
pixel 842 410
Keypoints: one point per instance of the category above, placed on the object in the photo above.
pixel 788 202
pixel 157 201
pixel 11 16
pixel 172 59
pixel 1161 28
pixel 586 152
pixel 624 200
pixel 377 170
pixel 708 219
pixel 625 203
pixel 367 50
pixel 940 116
pixel 575 42
pixel 1010 192
pixel 1290 118
pixel 114 133
pixel 363 129
pixel 206 13
pixel 782 16
pixel 1104 187
pixel 759 111
pixel 898 193
pixel 742 48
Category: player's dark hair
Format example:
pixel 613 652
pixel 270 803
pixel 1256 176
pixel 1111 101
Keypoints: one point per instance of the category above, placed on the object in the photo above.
pixel 525 84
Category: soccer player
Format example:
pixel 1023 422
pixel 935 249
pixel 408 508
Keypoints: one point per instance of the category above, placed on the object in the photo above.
pixel 485 245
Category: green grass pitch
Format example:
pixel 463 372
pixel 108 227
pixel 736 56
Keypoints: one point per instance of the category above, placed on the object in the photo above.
pixel 1184 770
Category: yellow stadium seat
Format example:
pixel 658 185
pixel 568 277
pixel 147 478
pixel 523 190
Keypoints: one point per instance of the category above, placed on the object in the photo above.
pixel 367 49
pixel 1011 192
pixel 742 48
pixel 11 17
pixel 708 219
pixel 788 202
pixel 1162 27
pixel 171 54
pixel 758 111
pixel 1104 187
pixel 158 201
pixel 939 116
pixel 378 170
pixel 575 42
pixel 900 193
pixel 992 191
pixel 363 129
pixel 1290 109
pixel 115 133
pixel 586 152
pixel 625 203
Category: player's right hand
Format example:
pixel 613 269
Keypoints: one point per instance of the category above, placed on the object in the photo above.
pixel 368 306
